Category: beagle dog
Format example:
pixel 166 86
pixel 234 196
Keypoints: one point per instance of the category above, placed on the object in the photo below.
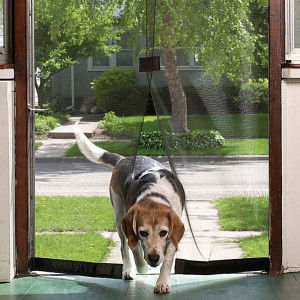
pixel 148 201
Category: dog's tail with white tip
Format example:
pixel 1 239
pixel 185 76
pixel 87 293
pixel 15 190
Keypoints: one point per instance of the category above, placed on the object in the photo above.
pixel 92 152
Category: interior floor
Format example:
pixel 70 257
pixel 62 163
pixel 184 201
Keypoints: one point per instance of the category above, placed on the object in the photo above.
pixel 233 286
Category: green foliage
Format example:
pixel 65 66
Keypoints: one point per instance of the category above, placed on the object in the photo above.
pixel 112 123
pixel 66 30
pixel 218 31
pixel 47 122
pixel 255 93
pixel 37 145
pixel 54 106
pixel 243 213
pixel 115 90
pixel 260 31
pixel 151 140
pixel 190 140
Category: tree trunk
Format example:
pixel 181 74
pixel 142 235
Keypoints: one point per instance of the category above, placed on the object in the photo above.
pixel 177 95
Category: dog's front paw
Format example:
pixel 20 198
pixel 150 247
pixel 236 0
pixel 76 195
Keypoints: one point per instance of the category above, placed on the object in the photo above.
pixel 162 288
pixel 128 275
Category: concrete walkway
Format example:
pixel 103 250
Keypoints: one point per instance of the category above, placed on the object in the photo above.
pixel 65 131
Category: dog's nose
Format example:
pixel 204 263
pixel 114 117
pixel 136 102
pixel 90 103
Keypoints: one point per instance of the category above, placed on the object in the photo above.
pixel 153 258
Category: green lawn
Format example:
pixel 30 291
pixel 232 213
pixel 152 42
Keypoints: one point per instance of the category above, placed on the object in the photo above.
pixel 257 246
pixel 90 247
pixel 57 213
pixel 229 125
pixel 232 147
pixel 86 215
pixel 246 214
pixel 243 213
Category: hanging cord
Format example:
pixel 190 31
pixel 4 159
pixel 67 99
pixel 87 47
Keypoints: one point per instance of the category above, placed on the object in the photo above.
pixel 149 78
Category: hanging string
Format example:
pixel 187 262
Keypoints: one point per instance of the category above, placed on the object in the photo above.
pixel 149 78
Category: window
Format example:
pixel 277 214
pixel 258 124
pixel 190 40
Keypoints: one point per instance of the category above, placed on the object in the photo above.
pixel 293 30
pixel 123 58
pixel 5 28
pixel 185 60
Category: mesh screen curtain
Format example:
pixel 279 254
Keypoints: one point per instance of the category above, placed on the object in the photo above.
pixel 204 115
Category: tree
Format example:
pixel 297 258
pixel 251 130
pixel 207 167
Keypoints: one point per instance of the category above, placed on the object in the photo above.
pixel 217 31
pixel 66 30
pixel 260 29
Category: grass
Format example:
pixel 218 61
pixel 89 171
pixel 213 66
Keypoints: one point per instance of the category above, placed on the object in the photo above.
pixel 243 213
pixel 232 147
pixel 91 247
pixel 84 216
pixel 37 145
pixel 231 126
pixel 257 246
pixel 74 214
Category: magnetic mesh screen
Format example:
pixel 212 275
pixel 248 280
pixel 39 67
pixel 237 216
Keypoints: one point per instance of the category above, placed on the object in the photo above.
pixel 205 119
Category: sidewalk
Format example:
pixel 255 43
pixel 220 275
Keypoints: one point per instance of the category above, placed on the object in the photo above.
pixel 65 131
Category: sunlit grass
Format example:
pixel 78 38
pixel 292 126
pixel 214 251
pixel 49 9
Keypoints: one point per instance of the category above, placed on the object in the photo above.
pixel 232 147
pixel 243 213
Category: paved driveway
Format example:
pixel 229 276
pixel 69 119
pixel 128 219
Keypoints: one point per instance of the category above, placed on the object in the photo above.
pixel 204 179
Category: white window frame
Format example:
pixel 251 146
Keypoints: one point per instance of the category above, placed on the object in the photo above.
pixel 190 67
pixel 291 52
pixel 112 63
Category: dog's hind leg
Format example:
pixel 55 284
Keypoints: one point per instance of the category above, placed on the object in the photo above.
pixel 141 265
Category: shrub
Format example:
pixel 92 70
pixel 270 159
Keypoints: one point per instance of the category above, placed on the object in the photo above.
pixel 152 140
pixel 45 123
pixel 115 90
pixel 256 94
pixel 55 106
pixel 190 140
pixel 112 123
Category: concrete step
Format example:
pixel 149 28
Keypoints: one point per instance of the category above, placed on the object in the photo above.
pixel 65 131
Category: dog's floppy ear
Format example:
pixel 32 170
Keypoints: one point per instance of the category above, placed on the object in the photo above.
pixel 129 227
pixel 176 228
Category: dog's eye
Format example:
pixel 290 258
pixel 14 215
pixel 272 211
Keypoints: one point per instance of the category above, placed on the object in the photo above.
pixel 163 233
pixel 143 233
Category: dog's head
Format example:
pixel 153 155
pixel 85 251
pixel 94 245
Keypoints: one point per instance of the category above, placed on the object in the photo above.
pixel 154 225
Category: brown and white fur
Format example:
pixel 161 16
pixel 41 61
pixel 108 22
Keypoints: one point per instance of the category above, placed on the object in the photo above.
pixel 148 201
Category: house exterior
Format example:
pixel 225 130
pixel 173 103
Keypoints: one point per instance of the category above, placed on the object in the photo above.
pixel 76 80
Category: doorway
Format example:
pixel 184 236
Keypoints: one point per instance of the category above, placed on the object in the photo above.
pixel 217 118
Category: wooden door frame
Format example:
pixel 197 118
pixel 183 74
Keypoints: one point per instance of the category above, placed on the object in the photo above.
pixel 277 33
pixel 276 59
pixel 22 192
